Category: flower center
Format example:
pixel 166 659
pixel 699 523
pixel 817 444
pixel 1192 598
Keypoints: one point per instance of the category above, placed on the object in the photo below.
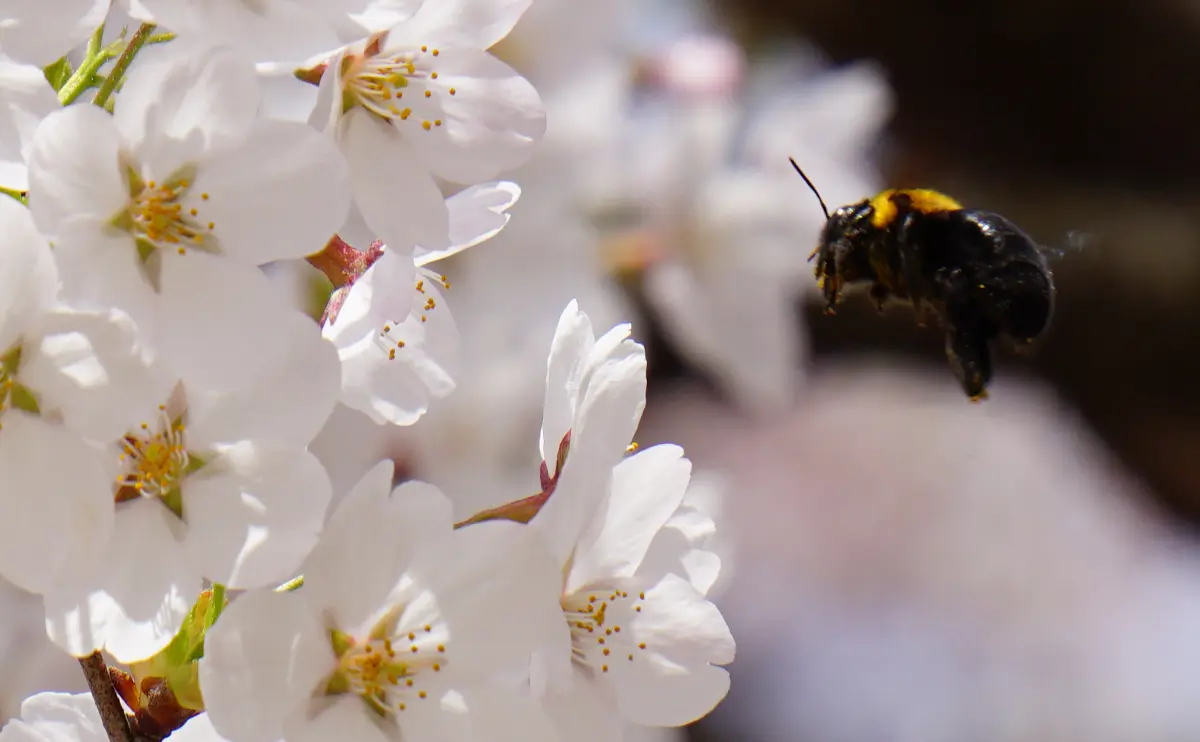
pixel 165 215
pixel 595 619
pixel 397 86
pixel 387 671
pixel 154 462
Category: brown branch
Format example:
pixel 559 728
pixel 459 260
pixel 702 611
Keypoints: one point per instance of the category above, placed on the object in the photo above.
pixel 112 715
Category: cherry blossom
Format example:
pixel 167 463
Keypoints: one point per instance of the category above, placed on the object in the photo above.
pixel 166 208
pixel 425 99
pixel 215 486
pixel 402 630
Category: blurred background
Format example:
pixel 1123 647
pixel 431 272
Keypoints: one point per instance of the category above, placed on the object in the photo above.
pixel 899 565
pixel 902 565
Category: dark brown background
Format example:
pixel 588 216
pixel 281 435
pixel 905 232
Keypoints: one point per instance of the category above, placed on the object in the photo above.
pixel 1063 115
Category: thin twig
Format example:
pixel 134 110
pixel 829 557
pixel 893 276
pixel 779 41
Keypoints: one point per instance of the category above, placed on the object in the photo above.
pixel 118 71
pixel 112 714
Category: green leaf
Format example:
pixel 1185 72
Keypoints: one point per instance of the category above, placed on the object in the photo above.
pixel 176 663
pixel 57 73
pixel 21 398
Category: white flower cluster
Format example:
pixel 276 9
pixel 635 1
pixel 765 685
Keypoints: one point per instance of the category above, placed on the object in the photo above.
pixel 159 393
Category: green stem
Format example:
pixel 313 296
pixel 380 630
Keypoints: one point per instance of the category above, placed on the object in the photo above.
pixel 93 47
pixel 82 78
pixel 118 71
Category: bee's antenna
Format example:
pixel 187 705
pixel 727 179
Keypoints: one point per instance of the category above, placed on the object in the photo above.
pixel 813 187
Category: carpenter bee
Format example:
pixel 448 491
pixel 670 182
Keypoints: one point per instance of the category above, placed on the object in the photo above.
pixel 982 276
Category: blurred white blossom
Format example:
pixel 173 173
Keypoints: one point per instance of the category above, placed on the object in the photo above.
pixel 56 717
pixel 720 227
pixel 25 99
pixel 37 33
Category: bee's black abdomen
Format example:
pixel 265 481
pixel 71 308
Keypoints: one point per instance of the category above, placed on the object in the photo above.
pixel 1001 284
pixel 1019 298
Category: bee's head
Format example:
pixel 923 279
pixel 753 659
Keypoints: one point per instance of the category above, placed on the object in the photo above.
pixel 844 229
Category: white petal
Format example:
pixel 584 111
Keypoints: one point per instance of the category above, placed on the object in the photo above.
pixel 253 522
pixel 286 404
pixel 56 717
pixel 282 193
pixel 25 99
pixel 489 125
pixel 326 113
pixel 31 34
pixel 612 407
pixel 266 29
pixel 646 489
pixel 90 366
pixel 472 24
pixel 344 717
pixel 680 625
pixel 131 613
pixel 199 728
pixel 73 168
pixel 497 712
pixel 587 713
pixel 100 269
pixel 370 16
pixel 608 417
pixel 499 582
pixel 263 657
pixel 396 350
pixel 398 198
pixel 757 359
pixel 573 339
pixel 347 445
pixel 28 279
pixel 184 99
pixel 285 97
pixel 388 393
pixel 657 693
pixel 219 320
pixel 381 295
pixel 477 214
pixel 17 730
pixel 55 491
pixel 675 552
pixel 372 535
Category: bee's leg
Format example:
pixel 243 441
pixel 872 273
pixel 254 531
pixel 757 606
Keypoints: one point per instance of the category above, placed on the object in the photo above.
pixel 966 338
pixel 967 351
pixel 830 284
pixel 879 296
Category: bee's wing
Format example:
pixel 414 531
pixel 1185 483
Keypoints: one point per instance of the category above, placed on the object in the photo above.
pixel 1076 241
